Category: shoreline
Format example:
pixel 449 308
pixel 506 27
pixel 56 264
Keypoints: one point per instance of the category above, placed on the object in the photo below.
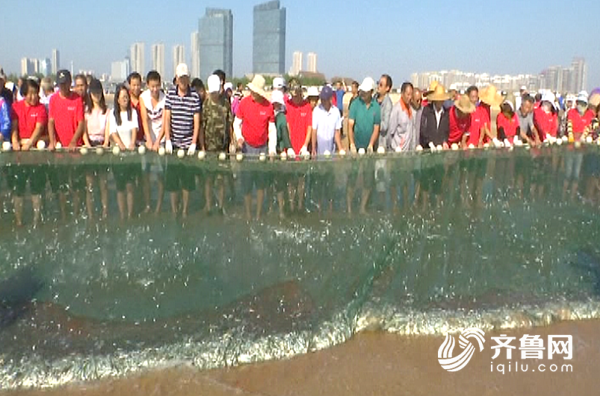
pixel 370 363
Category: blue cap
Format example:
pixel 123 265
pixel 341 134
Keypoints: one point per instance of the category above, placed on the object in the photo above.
pixel 326 92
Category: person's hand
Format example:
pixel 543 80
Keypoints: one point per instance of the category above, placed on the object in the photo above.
pixel 16 146
pixel 304 150
pixel 169 147
pixel 446 146
pixel 240 143
pixel 291 153
pixel 369 149
pixel 353 149
pixel 122 147
pixel 272 153
pixel 51 146
pixel 155 146
pixel 192 149
pixel 232 148
pixel 131 146
pixel 149 145
pixel 72 145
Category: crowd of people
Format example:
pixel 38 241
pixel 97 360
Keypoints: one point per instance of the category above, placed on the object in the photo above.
pixel 283 120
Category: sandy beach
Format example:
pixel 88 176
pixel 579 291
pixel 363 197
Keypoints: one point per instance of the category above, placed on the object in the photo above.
pixel 374 364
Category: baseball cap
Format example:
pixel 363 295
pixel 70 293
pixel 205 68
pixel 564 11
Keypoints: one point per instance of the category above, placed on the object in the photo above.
pixel 182 70
pixel 277 97
pixel 278 83
pixel 95 86
pixel 228 86
pixel 367 85
pixel 214 84
pixel 326 93
pixel 582 98
pixel 63 76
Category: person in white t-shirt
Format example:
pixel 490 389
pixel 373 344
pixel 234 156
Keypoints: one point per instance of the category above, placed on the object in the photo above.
pixel 152 106
pixel 123 121
pixel 123 127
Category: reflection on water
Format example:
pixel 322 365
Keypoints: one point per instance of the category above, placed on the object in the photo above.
pixel 115 264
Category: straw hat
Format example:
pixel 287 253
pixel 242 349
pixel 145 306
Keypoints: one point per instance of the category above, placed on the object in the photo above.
pixel 464 105
pixel 595 99
pixel 438 95
pixel 258 85
pixel 491 96
pixel 432 86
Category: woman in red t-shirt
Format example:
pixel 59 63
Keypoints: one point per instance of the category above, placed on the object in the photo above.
pixel 507 121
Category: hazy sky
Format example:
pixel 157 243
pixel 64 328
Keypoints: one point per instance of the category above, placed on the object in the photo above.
pixel 351 38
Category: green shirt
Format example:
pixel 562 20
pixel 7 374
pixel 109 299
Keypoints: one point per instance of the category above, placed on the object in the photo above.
pixel 283 132
pixel 365 120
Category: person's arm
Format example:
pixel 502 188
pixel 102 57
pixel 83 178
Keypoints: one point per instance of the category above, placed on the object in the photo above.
pixel 386 111
pixel 145 125
pixel 5 121
pixel 423 137
pixel 309 137
pixel 51 134
pixel 374 138
pixel 16 141
pixel 338 132
pixel 351 123
pixel 134 132
pixel 465 139
pixel 106 134
pixel 86 135
pixel 313 131
pixel 114 134
pixel 35 136
pixel 80 126
pixel 197 134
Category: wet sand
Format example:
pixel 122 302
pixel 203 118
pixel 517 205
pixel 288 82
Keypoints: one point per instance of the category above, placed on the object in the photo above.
pixel 374 364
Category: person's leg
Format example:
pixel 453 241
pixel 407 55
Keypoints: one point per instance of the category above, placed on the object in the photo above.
pixel 89 194
pixel 103 183
pixel 130 199
pixel 208 182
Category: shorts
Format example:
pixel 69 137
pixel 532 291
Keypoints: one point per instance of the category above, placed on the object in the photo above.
pixel 125 174
pixel 64 178
pixel 17 178
pixel 573 162
pixel 179 177
pixel 254 178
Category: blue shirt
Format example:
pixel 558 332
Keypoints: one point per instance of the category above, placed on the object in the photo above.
pixel 5 119
pixel 339 95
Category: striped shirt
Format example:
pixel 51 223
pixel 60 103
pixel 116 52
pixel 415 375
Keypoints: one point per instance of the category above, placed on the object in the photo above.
pixel 183 109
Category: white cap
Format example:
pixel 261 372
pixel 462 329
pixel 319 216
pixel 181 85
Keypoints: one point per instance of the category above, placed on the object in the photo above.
pixel 582 97
pixel 312 91
pixel 278 83
pixel 510 103
pixel 182 70
pixel 214 84
pixel 367 85
pixel 227 86
pixel 549 97
pixel 277 97
pixel 523 88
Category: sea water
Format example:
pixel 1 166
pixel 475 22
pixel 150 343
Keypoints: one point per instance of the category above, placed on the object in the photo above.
pixel 410 244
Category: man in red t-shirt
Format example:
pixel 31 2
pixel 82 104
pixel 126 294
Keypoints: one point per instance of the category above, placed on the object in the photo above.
pixel 460 121
pixel 29 118
pixel 255 131
pixel 299 118
pixel 65 124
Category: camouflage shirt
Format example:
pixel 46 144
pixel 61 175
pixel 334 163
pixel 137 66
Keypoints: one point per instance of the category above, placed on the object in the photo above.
pixel 217 120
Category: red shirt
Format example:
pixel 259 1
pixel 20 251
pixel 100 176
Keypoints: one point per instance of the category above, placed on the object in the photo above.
pixel 458 126
pixel 140 134
pixel 28 117
pixel 299 118
pixel 478 120
pixel 67 113
pixel 255 121
pixel 580 122
pixel 545 123
pixel 510 126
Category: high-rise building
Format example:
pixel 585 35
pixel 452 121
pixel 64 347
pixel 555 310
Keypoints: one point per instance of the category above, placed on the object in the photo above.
pixel 158 59
pixel 195 54
pixel 312 62
pixel 580 71
pixel 44 66
pixel 120 70
pixel 27 67
pixel 268 54
pixel 216 42
pixel 296 63
pixel 137 58
pixel 55 61
pixel 178 56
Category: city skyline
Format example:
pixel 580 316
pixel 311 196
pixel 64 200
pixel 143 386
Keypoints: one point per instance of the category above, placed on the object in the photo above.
pixel 158 58
pixel 554 78
pixel 399 53
pixel 137 57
